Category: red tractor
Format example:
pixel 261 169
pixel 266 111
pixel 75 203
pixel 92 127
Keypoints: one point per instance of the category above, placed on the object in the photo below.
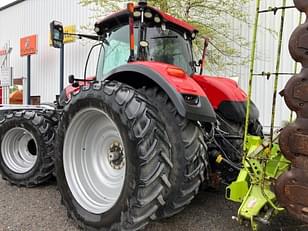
pixel 136 142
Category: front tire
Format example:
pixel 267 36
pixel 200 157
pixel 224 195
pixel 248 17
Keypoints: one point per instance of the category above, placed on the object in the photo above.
pixel 112 159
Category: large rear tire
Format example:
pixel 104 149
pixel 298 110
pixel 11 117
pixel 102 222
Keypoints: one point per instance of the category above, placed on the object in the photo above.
pixel 188 154
pixel 26 152
pixel 112 159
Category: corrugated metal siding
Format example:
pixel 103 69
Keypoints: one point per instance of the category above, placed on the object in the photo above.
pixel 33 17
pixel 266 60
pixel 267 43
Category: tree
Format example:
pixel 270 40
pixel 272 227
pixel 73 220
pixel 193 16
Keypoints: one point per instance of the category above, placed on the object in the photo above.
pixel 214 19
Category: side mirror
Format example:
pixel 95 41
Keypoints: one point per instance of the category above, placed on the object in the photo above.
pixel 71 79
pixel 56 33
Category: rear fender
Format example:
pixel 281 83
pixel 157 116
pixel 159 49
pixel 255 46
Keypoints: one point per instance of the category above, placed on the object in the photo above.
pixel 139 74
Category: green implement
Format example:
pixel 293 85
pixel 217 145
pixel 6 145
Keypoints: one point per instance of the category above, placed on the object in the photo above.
pixel 262 166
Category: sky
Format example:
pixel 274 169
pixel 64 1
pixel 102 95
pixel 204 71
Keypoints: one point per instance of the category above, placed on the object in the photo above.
pixel 5 2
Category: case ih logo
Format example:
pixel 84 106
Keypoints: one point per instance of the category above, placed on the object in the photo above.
pixel 28 45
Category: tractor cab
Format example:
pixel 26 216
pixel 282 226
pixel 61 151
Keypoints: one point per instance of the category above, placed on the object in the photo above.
pixel 144 33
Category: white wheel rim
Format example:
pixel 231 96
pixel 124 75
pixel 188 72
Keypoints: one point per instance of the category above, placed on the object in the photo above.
pixel 19 150
pixel 94 160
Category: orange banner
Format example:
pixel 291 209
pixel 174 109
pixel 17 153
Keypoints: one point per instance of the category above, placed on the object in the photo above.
pixel 28 45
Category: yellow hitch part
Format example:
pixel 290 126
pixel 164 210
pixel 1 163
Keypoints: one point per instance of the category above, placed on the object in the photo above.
pixel 219 159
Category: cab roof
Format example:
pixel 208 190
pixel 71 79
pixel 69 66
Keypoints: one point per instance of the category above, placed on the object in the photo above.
pixel 121 18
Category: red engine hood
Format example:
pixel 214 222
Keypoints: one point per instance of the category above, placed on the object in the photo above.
pixel 220 89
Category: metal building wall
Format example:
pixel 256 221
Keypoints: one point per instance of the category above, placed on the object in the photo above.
pixel 267 43
pixel 33 17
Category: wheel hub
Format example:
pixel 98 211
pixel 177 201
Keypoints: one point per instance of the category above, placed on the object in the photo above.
pixel 94 160
pixel 116 156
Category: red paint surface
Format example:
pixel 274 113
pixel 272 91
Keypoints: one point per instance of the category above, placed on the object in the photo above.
pixel 216 89
pixel 73 90
pixel 175 21
pixel 184 85
pixel 166 17
pixel 219 89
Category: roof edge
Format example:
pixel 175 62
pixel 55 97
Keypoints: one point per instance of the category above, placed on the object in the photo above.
pixel 11 4
pixel 121 17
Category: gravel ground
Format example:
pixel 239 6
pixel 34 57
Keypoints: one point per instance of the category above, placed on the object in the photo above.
pixel 39 209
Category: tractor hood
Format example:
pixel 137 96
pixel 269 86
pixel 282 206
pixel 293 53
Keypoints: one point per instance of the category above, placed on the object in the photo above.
pixel 227 98
pixel 220 89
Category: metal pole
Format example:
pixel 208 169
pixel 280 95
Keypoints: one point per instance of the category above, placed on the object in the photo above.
pixel 252 64
pixel 277 69
pixel 29 79
pixel 61 68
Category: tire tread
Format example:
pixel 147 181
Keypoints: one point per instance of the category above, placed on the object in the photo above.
pixel 149 189
pixel 44 171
